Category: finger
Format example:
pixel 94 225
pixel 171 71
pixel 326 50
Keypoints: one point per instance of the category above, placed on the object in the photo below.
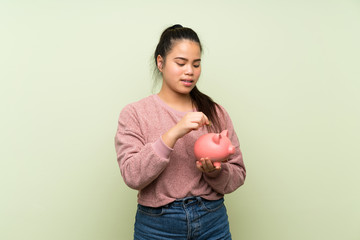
pixel 208 165
pixel 211 165
pixel 199 121
pixel 199 166
pixel 201 118
pixel 205 120
pixel 217 165
pixel 195 125
pixel 203 164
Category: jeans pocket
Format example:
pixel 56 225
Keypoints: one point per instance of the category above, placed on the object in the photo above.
pixel 158 211
pixel 212 205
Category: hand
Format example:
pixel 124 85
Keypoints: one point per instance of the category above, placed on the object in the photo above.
pixel 191 121
pixel 206 165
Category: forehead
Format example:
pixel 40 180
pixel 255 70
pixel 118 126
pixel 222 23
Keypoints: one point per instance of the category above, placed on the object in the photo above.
pixel 185 48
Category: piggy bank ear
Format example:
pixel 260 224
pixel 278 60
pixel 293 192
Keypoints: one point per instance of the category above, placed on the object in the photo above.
pixel 225 133
pixel 216 138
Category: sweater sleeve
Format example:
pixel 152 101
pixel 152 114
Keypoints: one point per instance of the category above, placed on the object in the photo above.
pixel 233 173
pixel 140 162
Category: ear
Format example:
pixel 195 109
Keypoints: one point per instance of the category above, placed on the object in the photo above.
pixel 225 133
pixel 160 62
pixel 216 138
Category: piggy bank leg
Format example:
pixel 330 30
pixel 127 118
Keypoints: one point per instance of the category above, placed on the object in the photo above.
pixel 217 164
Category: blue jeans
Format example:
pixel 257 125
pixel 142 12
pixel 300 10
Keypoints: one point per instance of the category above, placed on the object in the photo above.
pixel 187 219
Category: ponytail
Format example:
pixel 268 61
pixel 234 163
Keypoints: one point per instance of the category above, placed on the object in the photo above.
pixel 207 106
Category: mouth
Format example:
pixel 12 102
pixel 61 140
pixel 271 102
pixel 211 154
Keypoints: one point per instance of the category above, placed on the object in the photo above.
pixel 187 82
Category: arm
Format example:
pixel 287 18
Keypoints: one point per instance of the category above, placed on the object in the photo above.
pixel 232 173
pixel 139 162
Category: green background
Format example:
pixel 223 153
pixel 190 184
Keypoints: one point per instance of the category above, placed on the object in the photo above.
pixel 287 72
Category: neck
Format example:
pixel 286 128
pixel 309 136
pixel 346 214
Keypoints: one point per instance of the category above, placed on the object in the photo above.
pixel 180 102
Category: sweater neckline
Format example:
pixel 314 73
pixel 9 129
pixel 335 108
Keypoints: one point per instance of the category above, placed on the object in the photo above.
pixel 164 104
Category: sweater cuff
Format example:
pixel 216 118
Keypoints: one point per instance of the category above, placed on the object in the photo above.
pixel 216 173
pixel 213 174
pixel 161 149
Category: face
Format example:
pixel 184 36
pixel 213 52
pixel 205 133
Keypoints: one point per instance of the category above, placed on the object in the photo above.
pixel 181 68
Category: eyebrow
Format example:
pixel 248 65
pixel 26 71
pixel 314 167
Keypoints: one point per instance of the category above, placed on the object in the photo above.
pixel 185 59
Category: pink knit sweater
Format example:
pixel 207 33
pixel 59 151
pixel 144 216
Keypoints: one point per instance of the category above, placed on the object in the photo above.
pixel 161 174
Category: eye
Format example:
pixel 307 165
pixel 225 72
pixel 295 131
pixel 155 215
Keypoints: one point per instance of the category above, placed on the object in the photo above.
pixel 197 65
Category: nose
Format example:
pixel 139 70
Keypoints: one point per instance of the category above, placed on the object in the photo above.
pixel 189 70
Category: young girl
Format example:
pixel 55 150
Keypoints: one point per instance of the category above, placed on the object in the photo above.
pixel 178 197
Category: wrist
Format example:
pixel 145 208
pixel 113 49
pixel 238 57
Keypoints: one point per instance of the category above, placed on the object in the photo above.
pixel 170 137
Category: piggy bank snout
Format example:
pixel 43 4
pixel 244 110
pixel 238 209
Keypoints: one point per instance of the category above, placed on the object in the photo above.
pixel 231 149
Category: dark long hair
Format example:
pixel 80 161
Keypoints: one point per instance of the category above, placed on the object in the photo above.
pixel 202 102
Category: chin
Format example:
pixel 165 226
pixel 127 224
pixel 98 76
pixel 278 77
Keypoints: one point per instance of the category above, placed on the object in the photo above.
pixel 186 92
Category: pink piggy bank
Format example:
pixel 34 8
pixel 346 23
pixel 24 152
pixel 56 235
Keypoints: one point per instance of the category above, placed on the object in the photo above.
pixel 215 146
